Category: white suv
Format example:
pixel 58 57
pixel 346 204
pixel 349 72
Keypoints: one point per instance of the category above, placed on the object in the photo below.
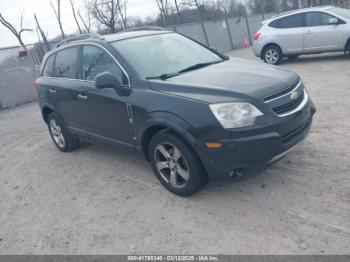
pixel 305 31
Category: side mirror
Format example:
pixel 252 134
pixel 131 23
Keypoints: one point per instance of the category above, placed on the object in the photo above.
pixel 333 21
pixel 107 80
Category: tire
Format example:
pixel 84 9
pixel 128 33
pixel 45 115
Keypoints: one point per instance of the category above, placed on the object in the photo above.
pixel 62 139
pixel 347 49
pixel 175 164
pixel 292 57
pixel 272 54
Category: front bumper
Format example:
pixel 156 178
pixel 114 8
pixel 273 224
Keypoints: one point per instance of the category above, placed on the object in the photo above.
pixel 254 152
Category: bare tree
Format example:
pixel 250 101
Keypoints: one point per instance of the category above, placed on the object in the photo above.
pixel 75 17
pixel 164 11
pixel 123 13
pixel 177 6
pixel 58 15
pixel 106 12
pixel 199 4
pixel 43 35
pixel 86 22
pixel 15 32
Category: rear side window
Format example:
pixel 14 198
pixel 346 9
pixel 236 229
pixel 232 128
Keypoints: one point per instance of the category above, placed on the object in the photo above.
pixel 95 61
pixel 66 63
pixel 317 19
pixel 292 21
pixel 48 68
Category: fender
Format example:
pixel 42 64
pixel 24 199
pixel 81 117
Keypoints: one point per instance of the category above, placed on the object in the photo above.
pixel 171 122
pixel 43 107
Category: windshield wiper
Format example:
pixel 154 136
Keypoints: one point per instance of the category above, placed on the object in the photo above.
pixel 163 76
pixel 190 68
pixel 198 66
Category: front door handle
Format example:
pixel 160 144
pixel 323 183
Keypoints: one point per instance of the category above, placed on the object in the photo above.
pixel 52 91
pixel 82 97
pixel 309 32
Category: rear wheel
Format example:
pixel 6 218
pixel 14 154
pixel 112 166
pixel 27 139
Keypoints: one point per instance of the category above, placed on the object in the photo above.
pixel 175 164
pixel 63 140
pixel 272 54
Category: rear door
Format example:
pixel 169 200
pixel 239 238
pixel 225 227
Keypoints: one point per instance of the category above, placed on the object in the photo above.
pixel 101 112
pixel 319 35
pixel 289 33
pixel 64 79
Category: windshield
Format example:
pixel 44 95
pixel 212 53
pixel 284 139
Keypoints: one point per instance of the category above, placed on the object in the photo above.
pixel 163 54
pixel 341 11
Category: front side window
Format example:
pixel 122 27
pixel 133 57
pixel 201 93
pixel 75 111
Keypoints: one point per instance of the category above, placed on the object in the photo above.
pixel 48 68
pixel 317 19
pixel 160 54
pixel 66 63
pixel 292 21
pixel 95 61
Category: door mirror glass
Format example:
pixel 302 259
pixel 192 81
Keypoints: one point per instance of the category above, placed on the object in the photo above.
pixel 333 21
pixel 107 80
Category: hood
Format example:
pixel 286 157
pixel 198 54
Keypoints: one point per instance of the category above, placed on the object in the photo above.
pixel 233 78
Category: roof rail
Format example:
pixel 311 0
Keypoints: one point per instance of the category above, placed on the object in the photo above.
pixel 146 28
pixel 77 38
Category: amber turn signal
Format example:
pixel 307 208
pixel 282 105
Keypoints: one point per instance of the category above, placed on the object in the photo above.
pixel 213 145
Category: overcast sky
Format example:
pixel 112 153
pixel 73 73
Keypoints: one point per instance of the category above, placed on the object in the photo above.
pixel 11 10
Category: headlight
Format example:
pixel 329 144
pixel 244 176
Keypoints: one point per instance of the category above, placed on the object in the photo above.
pixel 234 115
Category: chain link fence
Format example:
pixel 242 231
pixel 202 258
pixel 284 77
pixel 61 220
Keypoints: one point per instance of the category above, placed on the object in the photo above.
pixel 17 75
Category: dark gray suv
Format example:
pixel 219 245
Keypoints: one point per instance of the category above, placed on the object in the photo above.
pixel 194 113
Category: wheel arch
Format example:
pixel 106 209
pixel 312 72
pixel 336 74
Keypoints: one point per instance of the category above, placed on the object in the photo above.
pixel 45 111
pixel 270 44
pixel 167 123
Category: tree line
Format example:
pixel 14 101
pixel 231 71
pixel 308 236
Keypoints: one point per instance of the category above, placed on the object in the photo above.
pixel 111 16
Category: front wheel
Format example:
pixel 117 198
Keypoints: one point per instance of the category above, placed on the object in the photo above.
pixel 272 54
pixel 175 164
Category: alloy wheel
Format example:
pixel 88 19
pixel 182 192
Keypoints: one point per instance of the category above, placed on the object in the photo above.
pixel 57 133
pixel 171 165
pixel 271 56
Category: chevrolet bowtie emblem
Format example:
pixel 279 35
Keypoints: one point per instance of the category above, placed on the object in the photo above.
pixel 294 96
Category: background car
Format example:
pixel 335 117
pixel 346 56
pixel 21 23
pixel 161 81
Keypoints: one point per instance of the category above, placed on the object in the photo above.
pixel 305 31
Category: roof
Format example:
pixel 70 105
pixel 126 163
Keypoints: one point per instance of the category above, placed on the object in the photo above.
pixel 132 34
pixel 302 10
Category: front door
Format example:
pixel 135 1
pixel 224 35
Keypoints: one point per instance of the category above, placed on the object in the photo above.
pixel 102 113
pixel 319 35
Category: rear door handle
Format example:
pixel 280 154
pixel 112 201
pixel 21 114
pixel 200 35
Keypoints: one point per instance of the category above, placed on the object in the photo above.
pixel 309 32
pixel 52 91
pixel 82 97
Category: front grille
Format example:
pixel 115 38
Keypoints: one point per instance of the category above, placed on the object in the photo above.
pixel 295 134
pixel 287 100
pixel 289 106
pixel 281 93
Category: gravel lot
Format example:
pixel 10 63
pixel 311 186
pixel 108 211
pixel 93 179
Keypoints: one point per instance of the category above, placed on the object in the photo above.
pixel 98 200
